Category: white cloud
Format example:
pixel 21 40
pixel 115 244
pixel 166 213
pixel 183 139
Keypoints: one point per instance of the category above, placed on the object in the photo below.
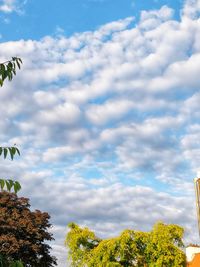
pixel 9 6
pixel 45 99
pixel 152 19
pixel 107 210
pixel 115 26
pixel 164 13
pixel 54 154
pixel 100 112
pixel 191 9
pixel 66 114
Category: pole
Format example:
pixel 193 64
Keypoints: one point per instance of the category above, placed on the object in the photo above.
pixel 197 193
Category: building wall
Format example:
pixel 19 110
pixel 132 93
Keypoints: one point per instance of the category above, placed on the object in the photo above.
pixel 193 256
pixel 195 262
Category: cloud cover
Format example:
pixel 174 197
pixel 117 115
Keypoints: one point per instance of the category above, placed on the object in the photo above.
pixel 9 6
pixel 108 123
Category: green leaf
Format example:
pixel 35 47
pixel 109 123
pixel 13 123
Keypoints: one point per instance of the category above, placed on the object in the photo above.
pixel 1 260
pixel 2 183
pixel 16 264
pixel 9 184
pixel 10 75
pixel 5 152
pixel 1 150
pixel 14 72
pixel 20 60
pixel 12 153
pixel 17 186
pixel 10 64
pixel 18 152
pixel 2 67
pixel 18 64
pixel 14 149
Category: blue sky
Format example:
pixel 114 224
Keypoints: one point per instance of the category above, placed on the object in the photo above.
pixel 33 19
pixel 105 111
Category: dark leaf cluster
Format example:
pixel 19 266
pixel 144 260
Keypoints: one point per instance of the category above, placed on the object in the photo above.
pixel 6 262
pixel 8 184
pixel 12 151
pixel 8 69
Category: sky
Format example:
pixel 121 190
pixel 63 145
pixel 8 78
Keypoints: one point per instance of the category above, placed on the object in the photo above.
pixel 105 111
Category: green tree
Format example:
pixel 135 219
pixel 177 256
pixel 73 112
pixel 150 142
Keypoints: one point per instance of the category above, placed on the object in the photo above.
pixel 161 247
pixel 81 241
pixel 164 245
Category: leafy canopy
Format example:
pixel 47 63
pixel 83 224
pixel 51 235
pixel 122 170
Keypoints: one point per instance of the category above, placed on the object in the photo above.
pixel 24 233
pixel 161 247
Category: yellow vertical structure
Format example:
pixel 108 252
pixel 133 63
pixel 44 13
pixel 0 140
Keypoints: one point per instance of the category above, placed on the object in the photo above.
pixel 197 193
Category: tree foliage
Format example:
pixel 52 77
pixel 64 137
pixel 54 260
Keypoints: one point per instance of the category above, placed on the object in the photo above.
pixel 5 151
pixel 23 233
pixel 9 184
pixel 5 262
pixel 8 69
pixel 161 247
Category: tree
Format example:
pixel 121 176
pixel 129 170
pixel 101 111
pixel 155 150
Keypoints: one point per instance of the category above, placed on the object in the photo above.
pixel 164 245
pixel 7 71
pixel 24 232
pixel 161 247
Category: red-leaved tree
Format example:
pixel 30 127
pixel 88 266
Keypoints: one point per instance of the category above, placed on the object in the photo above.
pixel 23 233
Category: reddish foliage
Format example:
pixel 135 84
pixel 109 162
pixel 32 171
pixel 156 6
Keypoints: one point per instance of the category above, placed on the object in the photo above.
pixel 23 232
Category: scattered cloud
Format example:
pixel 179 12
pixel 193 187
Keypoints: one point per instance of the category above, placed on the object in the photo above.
pixel 133 207
pixel 108 123
pixel 191 9
pixel 9 6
